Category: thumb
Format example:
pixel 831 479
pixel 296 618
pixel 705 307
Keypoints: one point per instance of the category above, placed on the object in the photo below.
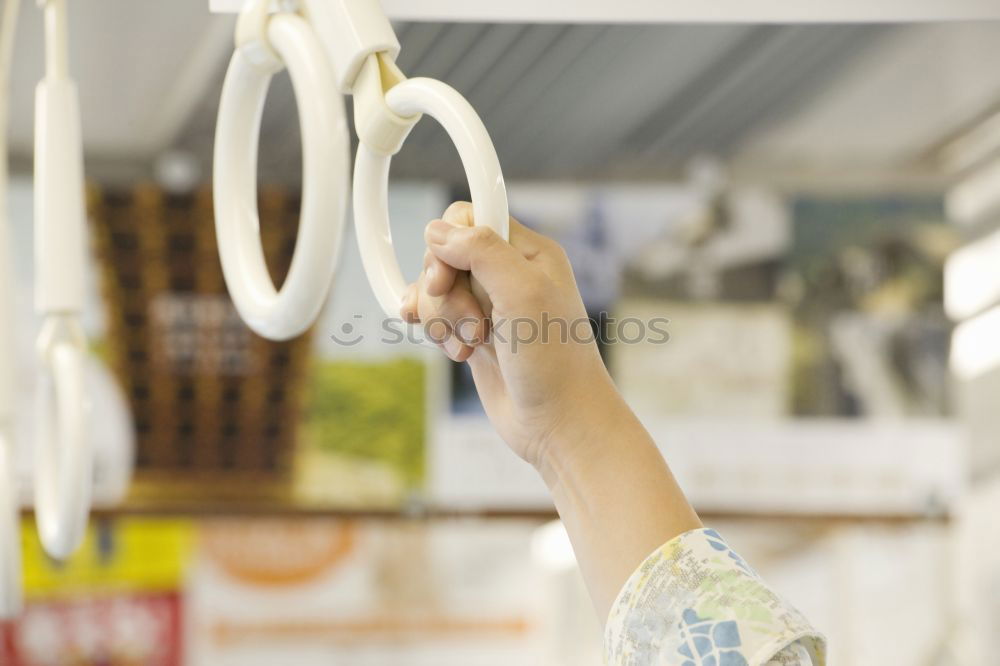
pixel 494 262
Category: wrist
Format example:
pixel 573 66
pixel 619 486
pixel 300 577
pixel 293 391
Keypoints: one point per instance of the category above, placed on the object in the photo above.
pixel 588 427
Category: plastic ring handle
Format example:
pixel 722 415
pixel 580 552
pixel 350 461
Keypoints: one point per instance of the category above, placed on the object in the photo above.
pixel 64 459
pixel 10 530
pixel 325 166
pixel 371 181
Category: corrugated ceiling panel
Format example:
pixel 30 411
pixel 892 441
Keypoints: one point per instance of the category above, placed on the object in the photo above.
pixel 582 100
pixel 565 101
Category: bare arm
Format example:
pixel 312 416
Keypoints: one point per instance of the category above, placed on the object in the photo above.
pixel 548 394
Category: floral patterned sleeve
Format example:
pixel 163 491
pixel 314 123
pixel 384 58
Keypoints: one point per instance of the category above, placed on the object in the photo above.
pixel 696 602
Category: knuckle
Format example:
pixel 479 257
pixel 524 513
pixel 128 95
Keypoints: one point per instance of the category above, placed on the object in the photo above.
pixel 459 211
pixel 436 328
pixel 427 309
pixel 557 252
pixel 559 259
pixel 484 237
pixel 553 249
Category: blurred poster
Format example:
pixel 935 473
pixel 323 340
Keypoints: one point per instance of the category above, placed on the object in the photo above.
pixel 122 630
pixel 303 591
pixel 321 592
pixel 470 466
pixel 634 245
pixel 117 602
pixel 362 439
pixel 864 281
pixel 720 361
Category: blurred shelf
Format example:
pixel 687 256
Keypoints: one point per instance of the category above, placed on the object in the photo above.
pixel 425 513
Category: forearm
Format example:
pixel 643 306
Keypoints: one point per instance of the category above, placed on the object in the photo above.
pixel 554 404
pixel 614 493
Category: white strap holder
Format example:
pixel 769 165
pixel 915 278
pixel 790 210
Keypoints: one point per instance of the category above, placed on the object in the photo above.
pixel 265 44
pixel 330 46
pixel 10 528
pixel 60 231
pixel 63 453
pixel 387 105
pixel 379 127
pixel 10 515
pixel 351 31
pixel 64 461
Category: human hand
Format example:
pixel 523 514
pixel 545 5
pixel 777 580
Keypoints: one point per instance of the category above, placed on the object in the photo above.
pixel 546 391
pixel 529 342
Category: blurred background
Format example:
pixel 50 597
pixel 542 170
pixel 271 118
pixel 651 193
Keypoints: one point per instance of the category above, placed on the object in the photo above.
pixel 790 198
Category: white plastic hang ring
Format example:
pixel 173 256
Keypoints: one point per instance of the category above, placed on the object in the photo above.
pixel 10 529
pixel 371 181
pixel 63 451
pixel 280 315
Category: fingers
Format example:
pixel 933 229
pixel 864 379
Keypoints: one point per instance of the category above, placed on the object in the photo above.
pixel 408 308
pixel 497 265
pixel 465 311
pixel 438 276
pixel 459 309
pixel 529 242
pixel 459 214
pixel 454 321
pixel 444 300
pixel 451 321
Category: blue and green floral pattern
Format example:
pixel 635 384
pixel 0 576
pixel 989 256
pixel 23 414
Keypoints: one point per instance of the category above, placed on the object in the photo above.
pixel 696 602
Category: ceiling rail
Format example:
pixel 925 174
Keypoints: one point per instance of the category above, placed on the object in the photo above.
pixel 681 11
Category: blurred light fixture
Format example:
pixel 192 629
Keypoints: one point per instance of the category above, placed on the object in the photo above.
pixel 972 147
pixel 177 171
pixel 977 197
pixel 975 345
pixel 972 278
pixel 551 547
